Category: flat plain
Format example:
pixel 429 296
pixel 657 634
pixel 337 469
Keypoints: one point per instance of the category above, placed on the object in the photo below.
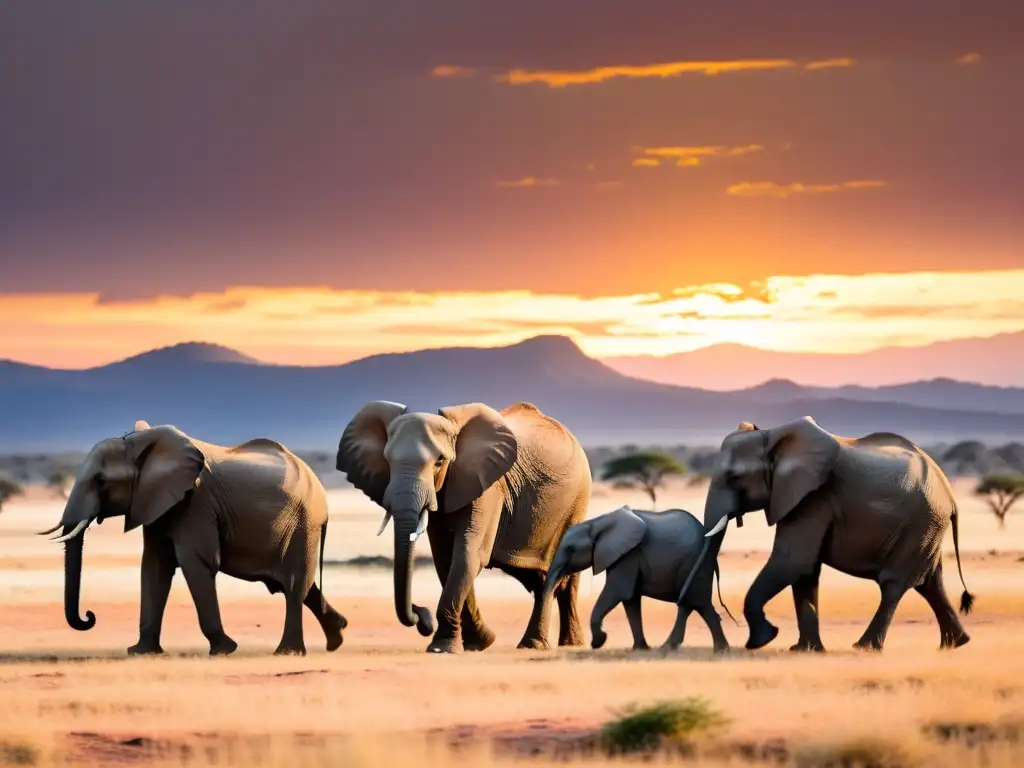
pixel 70 698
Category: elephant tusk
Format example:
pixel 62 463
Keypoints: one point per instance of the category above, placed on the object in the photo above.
pixel 68 536
pixel 419 528
pixel 719 527
pixel 49 531
pixel 384 523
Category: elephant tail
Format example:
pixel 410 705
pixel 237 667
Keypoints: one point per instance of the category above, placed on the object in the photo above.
pixel 323 540
pixel 718 578
pixel 966 599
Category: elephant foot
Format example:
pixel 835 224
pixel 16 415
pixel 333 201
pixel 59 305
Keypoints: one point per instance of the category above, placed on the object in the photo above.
pixel 443 645
pixel 668 645
pixel 533 644
pixel 477 639
pixel 145 649
pixel 641 646
pixel 288 650
pixel 761 634
pixel 598 639
pixel 804 646
pixel 868 644
pixel 222 645
pixel 959 641
pixel 721 648
pixel 333 625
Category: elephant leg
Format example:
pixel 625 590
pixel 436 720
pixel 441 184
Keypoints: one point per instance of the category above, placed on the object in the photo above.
pixel 331 622
pixel 609 598
pixel 874 636
pixel 292 641
pixel 951 631
pixel 634 615
pixel 536 635
pixel 476 636
pixel 158 566
pixel 796 555
pixel 201 580
pixel 714 622
pixel 805 598
pixel 678 633
pixel 570 632
pixel 465 567
pixel 773 578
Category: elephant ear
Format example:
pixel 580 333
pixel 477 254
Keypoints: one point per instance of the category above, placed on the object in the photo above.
pixel 168 464
pixel 361 448
pixel 801 456
pixel 621 532
pixel 485 449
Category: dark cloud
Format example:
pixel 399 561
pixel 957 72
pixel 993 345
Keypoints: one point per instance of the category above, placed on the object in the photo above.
pixel 187 145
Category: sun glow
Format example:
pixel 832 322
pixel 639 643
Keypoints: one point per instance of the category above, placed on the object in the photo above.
pixel 320 325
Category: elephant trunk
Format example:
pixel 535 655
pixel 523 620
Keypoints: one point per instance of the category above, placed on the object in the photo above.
pixel 73 583
pixel 405 553
pixel 555 573
pixel 82 508
pixel 719 507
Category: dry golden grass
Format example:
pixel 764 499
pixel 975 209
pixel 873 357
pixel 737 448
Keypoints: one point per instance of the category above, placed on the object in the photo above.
pixel 380 696
pixel 70 698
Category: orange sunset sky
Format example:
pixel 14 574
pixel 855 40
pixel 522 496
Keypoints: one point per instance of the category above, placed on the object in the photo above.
pixel 322 181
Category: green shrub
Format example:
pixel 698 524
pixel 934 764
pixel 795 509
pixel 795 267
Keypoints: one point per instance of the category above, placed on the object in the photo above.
pixel 638 730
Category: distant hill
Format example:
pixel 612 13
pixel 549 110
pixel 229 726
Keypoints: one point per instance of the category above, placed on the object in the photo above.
pixel 995 360
pixel 222 396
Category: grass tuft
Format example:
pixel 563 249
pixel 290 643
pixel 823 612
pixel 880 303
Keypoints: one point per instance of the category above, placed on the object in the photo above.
pixel 14 753
pixel 649 728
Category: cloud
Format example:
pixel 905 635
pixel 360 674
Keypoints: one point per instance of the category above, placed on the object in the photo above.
pixel 318 325
pixel 968 58
pixel 842 63
pixel 560 78
pixel 528 181
pixel 646 162
pixel 771 189
pixel 451 70
pixel 694 155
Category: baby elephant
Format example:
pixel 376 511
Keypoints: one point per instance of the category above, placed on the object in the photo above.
pixel 646 554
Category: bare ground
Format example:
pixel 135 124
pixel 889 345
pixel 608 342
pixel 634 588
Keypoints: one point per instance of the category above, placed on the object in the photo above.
pixel 69 698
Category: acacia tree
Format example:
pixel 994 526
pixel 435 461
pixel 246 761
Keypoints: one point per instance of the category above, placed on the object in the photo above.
pixel 645 470
pixel 8 490
pixel 59 482
pixel 1001 492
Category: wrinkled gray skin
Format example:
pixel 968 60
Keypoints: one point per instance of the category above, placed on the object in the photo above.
pixel 646 554
pixel 254 511
pixel 875 507
pixel 493 490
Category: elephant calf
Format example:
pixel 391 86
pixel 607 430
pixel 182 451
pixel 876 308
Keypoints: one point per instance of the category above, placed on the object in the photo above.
pixel 254 511
pixel 647 554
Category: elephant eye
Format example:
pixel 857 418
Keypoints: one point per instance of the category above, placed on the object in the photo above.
pixel 439 462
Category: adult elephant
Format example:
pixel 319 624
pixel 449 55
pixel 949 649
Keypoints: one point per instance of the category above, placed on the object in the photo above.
pixel 492 490
pixel 253 511
pixel 875 507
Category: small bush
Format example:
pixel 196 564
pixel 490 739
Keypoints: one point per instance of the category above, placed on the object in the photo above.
pixel 638 730
pixel 858 753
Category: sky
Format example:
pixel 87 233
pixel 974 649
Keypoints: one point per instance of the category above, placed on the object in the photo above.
pixel 316 182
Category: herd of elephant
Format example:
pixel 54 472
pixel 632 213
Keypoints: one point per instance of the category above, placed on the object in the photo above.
pixel 511 490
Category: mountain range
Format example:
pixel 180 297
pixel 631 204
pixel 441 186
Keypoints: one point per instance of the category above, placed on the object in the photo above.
pixel 220 395
pixel 994 360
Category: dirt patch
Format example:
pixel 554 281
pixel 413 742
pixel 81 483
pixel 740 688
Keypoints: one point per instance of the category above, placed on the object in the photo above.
pixel 109 749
